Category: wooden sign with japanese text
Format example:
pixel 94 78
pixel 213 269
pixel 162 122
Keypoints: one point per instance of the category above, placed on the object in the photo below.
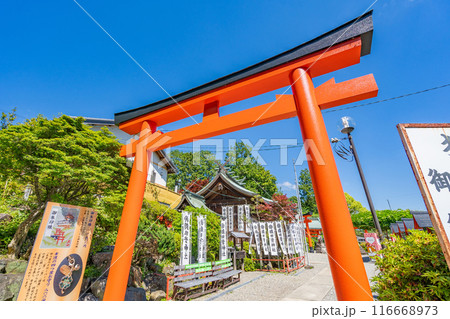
pixel 58 260
pixel 428 150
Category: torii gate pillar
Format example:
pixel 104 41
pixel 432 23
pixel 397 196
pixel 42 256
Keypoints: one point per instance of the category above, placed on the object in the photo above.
pixel 347 268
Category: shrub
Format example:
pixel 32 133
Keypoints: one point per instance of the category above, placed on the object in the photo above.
pixel 413 268
pixel 249 264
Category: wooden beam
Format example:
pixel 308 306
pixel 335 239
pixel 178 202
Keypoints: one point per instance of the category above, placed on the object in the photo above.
pixel 328 95
pixel 318 63
pixel 331 94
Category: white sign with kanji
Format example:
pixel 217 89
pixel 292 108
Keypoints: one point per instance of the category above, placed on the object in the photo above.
pixel 248 227
pixel 280 236
pixel 296 239
pixel 223 239
pixel 300 236
pixel 241 218
pixel 257 240
pixel 201 240
pixel 290 246
pixel 185 238
pixel 272 239
pixel 230 218
pixel 262 226
pixel 428 149
pixel 224 211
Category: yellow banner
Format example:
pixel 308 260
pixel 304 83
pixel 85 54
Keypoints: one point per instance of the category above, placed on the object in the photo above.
pixel 58 260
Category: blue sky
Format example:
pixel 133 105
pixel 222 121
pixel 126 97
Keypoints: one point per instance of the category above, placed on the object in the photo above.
pixel 54 59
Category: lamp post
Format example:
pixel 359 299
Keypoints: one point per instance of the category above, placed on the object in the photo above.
pixel 347 126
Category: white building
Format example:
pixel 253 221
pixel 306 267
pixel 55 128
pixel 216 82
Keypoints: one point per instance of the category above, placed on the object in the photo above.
pixel 160 166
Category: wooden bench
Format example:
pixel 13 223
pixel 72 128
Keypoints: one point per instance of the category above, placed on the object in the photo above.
pixel 195 280
pixel 224 272
pixel 191 281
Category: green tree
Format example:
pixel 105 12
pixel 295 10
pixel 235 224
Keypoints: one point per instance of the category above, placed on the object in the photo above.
pixel 244 167
pixel 191 167
pixel 64 161
pixel 307 193
pixel 364 220
pixel 354 206
pixel 7 119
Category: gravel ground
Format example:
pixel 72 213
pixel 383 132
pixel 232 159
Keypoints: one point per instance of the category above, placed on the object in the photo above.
pixel 266 286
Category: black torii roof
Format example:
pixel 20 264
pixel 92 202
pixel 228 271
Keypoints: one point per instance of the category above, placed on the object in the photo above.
pixel 358 27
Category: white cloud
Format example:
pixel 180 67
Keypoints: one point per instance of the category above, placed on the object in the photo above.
pixel 287 185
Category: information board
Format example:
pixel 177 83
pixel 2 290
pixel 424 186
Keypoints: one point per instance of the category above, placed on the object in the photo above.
pixel 428 150
pixel 58 259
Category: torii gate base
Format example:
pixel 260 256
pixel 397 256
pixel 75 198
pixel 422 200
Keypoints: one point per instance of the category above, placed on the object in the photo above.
pixel 295 67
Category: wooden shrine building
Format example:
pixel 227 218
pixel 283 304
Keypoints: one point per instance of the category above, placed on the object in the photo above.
pixel 224 190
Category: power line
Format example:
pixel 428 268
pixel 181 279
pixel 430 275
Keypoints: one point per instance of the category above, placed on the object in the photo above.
pixel 388 99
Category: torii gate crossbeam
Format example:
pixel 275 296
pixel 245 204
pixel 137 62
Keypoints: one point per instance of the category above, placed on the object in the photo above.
pixel 334 50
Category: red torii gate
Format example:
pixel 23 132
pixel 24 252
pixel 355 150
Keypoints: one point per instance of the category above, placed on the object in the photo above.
pixel 336 49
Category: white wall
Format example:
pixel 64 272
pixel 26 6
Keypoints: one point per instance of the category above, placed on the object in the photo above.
pixel 155 167
pixel 158 169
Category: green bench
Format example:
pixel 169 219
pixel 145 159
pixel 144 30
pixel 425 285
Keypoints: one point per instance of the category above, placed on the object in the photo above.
pixel 195 280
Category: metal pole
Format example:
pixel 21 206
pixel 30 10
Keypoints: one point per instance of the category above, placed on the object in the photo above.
pixel 366 189
pixel 347 267
pixel 300 214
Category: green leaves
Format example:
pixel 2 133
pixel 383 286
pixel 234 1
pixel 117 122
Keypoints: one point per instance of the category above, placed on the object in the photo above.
pixel 241 165
pixel 306 191
pixel 191 167
pixel 364 220
pixel 413 268
pixel 61 158
pixel 64 161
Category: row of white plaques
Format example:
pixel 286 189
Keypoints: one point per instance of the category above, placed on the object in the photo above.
pixel 270 238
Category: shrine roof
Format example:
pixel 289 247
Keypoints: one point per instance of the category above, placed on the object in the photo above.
pixel 422 218
pixel 231 182
pixel 194 200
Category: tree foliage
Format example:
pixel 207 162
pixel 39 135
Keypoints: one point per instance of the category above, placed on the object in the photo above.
pixel 354 206
pixel 191 167
pixel 281 208
pixel 64 161
pixel 244 167
pixel 364 220
pixel 154 240
pixel 196 185
pixel 413 269
pixel 306 191
pixel 6 119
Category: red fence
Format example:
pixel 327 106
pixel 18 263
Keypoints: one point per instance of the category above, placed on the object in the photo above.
pixel 289 265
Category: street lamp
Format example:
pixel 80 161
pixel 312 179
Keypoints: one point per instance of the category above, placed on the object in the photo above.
pixel 347 125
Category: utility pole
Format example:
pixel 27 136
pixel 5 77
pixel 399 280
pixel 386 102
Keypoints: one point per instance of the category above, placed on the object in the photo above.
pixel 390 208
pixel 300 214
pixel 366 188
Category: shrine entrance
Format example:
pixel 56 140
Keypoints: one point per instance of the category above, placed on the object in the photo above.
pixel 334 50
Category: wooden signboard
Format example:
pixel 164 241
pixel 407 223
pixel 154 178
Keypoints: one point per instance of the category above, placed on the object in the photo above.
pixel 428 150
pixel 58 260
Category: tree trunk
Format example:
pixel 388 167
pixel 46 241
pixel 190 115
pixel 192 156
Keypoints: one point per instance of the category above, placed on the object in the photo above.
pixel 22 231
